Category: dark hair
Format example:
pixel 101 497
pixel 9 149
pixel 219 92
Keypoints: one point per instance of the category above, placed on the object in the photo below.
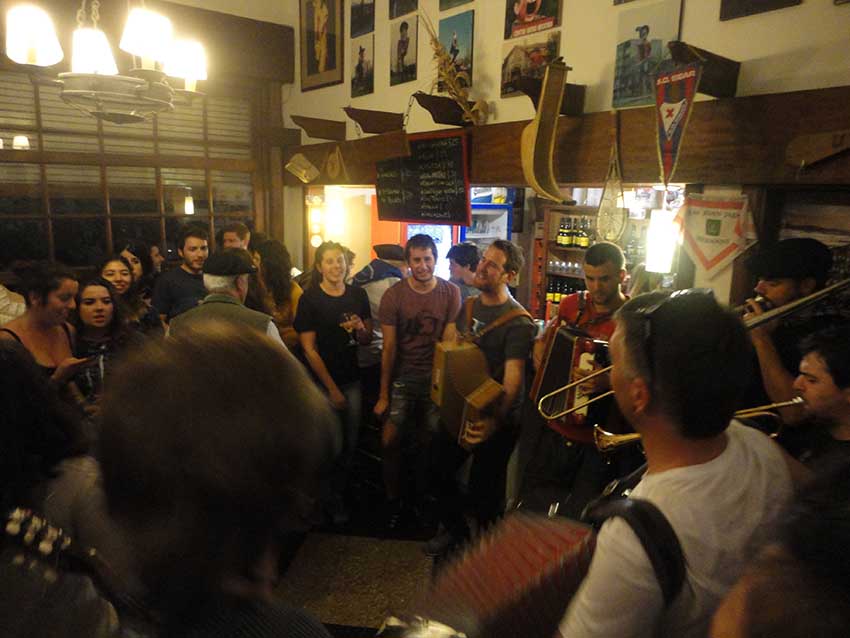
pixel 403 26
pixel 833 346
pixel 420 241
pixel 239 228
pixel 41 278
pixel 465 254
pixel 191 230
pixel 199 497
pixel 118 326
pixel 700 359
pixel 801 587
pixel 514 259
pixel 315 275
pixel 603 252
pixel 276 270
pixel 103 261
pixel 256 240
pixel 39 430
pixel 142 251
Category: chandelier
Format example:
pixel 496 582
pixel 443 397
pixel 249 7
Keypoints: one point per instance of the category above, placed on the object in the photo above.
pixel 94 85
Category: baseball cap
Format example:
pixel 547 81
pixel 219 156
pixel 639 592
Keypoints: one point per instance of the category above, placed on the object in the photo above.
pixel 230 262
pixel 795 258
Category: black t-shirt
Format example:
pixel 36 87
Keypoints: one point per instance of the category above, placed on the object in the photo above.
pixel 813 445
pixel 322 313
pixel 177 291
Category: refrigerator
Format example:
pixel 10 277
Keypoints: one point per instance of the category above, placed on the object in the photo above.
pixel 492 210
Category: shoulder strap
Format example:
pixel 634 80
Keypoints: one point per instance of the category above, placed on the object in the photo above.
pixel 14 335
pixel 468 308
pixel 501 320
pixel 657 537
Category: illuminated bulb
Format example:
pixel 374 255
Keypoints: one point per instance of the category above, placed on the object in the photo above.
pixel 189 205
pixel 31 37
pixel 147 35
pixel 21 143
pixel 91 53
pixel 316 241
pixel 188 60
pixel 315 215
pixel 661 241
pixel 315 228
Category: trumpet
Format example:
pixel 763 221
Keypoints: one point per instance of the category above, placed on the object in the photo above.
pixel 750 323
pixel 606 441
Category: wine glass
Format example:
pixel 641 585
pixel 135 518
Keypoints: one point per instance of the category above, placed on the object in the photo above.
pixel 346 322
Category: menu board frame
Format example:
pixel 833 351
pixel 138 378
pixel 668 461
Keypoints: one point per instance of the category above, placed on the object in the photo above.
pixel 456 217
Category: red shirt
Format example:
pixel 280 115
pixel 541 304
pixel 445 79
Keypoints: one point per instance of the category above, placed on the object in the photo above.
pixel 582 314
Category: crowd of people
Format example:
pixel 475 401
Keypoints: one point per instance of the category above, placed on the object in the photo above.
pixel 183 423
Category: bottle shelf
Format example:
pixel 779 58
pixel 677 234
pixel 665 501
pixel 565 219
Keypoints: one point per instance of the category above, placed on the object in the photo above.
pixel 553 273
pixel 556 246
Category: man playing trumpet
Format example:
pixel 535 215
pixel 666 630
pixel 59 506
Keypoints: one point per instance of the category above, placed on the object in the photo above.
pixel 680 366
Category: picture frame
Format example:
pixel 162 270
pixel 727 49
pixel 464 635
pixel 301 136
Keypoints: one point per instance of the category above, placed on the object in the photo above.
pixel 400 8
pixel 363 65
pixel 404 36
pixel 642 36
pixel 524 19
pixel 362 19
pixel 321 37
pixel 527 58
pixel 445 5
pixel 731 9
pixel 457 34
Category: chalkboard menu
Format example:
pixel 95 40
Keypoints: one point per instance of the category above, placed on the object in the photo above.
pixel 430 186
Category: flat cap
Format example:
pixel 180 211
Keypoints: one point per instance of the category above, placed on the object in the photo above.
pixel 393 252
pixel 230 262
pixel 795 258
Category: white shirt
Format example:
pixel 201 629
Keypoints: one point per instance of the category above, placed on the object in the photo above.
pixel 721 512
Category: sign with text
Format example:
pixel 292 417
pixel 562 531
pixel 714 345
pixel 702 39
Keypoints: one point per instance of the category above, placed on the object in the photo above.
pixel 714 230
pixel 429 186
pixel 674 97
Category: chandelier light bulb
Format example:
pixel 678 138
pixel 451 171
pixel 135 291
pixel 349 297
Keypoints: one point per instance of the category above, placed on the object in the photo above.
pixel 31 37
pixel 147 35
pixel 21 143
pixel 91 53
pixel 189 205
pixel 188 60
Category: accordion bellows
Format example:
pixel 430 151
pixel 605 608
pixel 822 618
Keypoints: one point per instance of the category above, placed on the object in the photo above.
pixel 516 581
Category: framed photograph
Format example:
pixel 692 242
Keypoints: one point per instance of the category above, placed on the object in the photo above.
pixel 642 37
pixel 731 9
pixel 402 7
pixel 456 35
pixel 362 17
pixel 363 65
pixel 451 4
pixel 524 17
pixel 528 58
pixel 403 50
pixel 321 37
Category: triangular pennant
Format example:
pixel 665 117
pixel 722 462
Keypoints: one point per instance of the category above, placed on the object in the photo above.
pixel 674 97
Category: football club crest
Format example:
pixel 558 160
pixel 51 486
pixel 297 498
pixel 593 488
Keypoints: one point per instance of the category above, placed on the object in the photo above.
pixel 674 98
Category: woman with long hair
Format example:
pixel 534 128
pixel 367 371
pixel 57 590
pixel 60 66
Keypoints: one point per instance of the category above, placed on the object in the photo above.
pixel 332 319
pixel 138 253
pixel 281 293
pixel 49 292
pixel 102 332
pixel 140 315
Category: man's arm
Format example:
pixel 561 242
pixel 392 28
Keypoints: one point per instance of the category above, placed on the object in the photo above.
pixel 387 365
pixel 512 384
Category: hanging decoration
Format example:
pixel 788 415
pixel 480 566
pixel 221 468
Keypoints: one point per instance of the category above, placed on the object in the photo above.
pixel 674 97
pixel 611 216
pixel 714 230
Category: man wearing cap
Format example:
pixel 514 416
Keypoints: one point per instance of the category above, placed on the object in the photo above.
pixel 787 271
pixel 376 278
pixel 226 276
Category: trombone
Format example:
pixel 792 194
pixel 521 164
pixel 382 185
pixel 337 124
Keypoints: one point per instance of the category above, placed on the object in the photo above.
pixel 606 441
pixel 752 322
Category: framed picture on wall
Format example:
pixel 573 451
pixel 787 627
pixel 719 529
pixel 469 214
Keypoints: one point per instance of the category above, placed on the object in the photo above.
pixel 731 9
pixel 642 37
pixel 362 17
pixel 321 34
pixel 451 4
pixel 402 7
pixel 403 50
pixel 527 58
pixel 363 65
pixel 456 35
pixel 524 18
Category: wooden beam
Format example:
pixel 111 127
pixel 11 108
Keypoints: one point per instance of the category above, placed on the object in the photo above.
pixel 321 128
pixel 729 141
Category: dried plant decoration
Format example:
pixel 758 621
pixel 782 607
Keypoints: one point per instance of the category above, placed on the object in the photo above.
pixel 454 82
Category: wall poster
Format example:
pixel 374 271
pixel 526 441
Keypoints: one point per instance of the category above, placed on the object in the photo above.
pixel 527 58
pixel 731 9
pixel 642 36
pixel 403 50
pixel 524 17
pixel 402 7
pixel 363 65
pixel 456 35
pixel 321 39
pixel 451 4
pixel 362 17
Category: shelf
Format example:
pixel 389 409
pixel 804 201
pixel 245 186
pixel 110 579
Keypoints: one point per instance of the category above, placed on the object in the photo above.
pixel 575 210
pixel 550 273
pixel 554 244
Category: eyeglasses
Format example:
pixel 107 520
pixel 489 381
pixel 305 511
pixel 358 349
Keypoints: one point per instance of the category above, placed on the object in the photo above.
pixel 647 312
